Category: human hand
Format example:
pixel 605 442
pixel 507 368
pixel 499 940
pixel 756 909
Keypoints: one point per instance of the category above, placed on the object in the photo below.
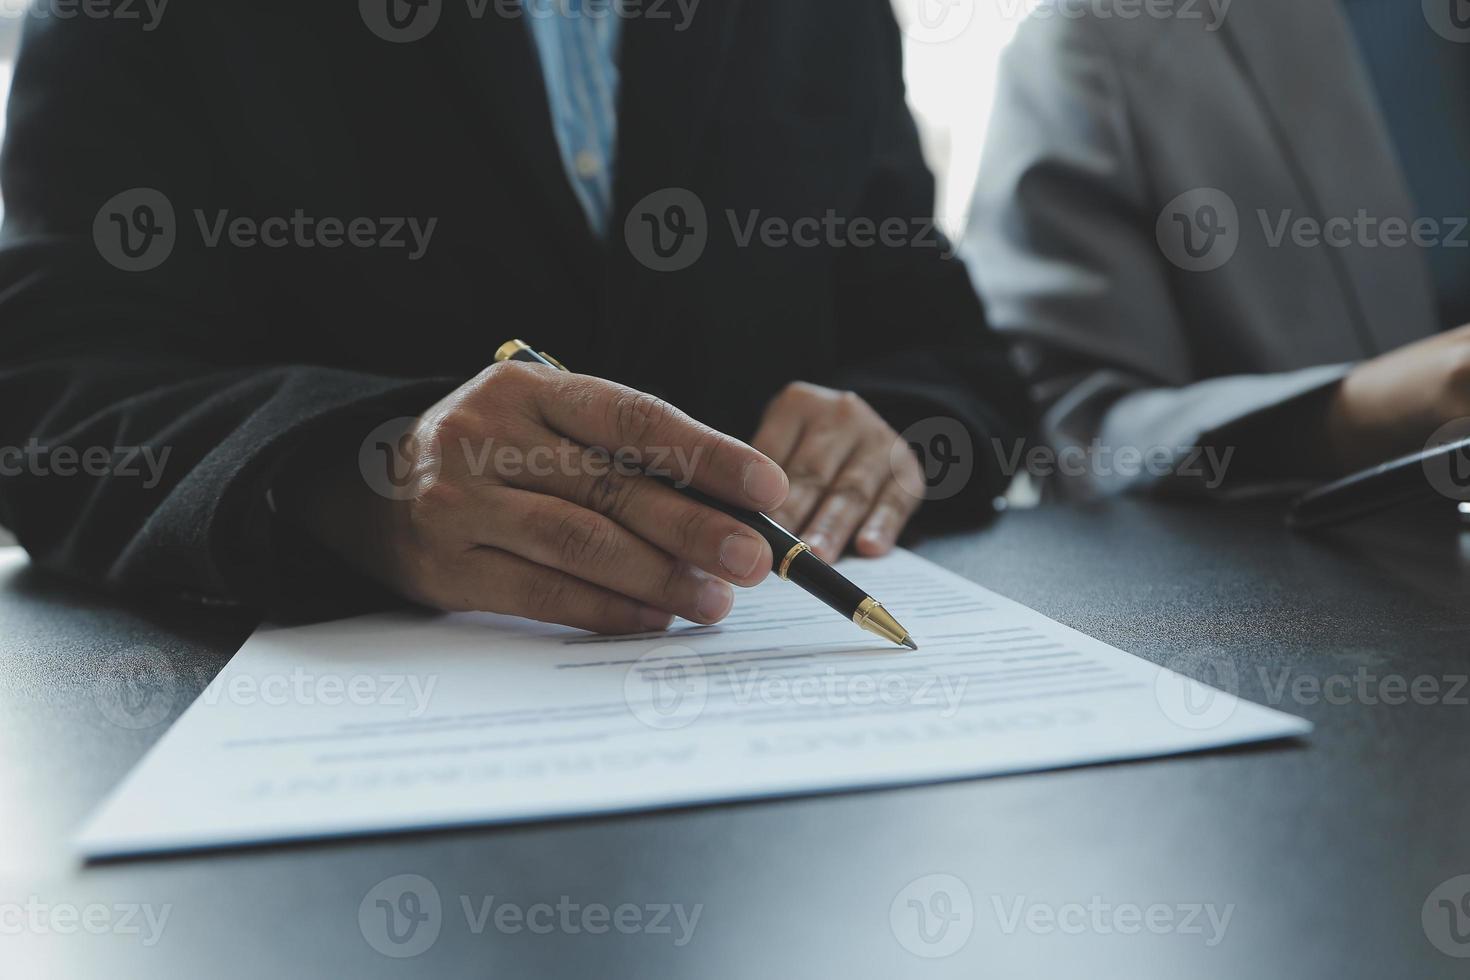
pixel 846 477
pixel 528 492
pixel 1389 406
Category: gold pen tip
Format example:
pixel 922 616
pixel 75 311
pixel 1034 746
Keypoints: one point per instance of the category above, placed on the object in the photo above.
pixel 872 617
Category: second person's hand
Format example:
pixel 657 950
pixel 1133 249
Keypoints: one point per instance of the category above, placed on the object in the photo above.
pixel 1390 405
pixel 846 477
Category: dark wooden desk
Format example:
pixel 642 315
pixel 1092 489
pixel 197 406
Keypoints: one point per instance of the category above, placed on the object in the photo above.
pixel 1324 851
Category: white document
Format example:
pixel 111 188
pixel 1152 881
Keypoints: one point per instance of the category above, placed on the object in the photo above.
pixel 403 721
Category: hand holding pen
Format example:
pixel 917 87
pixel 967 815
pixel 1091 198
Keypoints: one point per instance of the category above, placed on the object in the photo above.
pixel 793 559
pixel 499 498
pixel 495 500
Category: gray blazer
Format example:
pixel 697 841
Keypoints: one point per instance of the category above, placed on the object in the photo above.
pixel 1128 234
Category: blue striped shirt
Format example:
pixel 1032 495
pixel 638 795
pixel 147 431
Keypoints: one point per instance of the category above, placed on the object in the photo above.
pixel 577 42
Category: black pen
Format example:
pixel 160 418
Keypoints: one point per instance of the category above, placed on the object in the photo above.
pixel 791 559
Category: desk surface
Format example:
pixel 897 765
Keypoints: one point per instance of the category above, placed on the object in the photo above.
pixel 1323 853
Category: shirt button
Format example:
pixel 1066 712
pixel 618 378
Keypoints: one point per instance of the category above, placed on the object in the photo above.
pixel 587 164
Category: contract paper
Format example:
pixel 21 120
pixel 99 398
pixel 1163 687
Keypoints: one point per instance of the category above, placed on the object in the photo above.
pixel 411 721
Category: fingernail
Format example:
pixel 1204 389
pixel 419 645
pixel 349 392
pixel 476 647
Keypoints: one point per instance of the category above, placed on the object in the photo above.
pixel 715 599
pixel 764 483
pixel 819 544
pixel 654 620
pixel 739 554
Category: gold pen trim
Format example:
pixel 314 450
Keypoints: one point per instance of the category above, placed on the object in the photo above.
pixel 796 549
pixel 509 349
pixel 872 617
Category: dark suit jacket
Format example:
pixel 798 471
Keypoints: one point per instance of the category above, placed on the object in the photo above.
pixel 233 357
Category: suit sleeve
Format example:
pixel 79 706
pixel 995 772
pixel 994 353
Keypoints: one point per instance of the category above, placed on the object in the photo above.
pixel 1063 246
pixel 929 363
pixel 144 418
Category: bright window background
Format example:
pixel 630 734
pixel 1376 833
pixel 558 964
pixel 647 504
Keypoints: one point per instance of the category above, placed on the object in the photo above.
pixel 9 40
pixel 10 23
pixel 951 51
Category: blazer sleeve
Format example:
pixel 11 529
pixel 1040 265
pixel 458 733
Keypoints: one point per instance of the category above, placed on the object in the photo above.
pixel 1062 243
pixel 143 418
pixel 918 345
